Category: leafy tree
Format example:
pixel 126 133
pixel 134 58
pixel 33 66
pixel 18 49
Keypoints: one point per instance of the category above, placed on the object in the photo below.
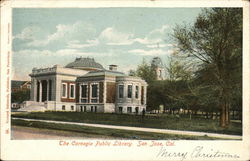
pixel 215 40
pixel 132 72
pixel 146 72
pixel 178 68
pixel 20 96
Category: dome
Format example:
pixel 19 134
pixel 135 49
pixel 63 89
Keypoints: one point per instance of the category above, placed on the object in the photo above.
pixel 157 62
pixel 85 64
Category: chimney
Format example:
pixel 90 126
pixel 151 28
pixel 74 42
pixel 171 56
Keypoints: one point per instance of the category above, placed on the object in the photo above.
pixel 113 67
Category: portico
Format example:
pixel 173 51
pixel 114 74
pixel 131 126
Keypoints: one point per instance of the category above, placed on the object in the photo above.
pixel 43 90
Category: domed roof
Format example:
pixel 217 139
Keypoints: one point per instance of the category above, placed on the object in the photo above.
pixel 157 62
pixel 85 63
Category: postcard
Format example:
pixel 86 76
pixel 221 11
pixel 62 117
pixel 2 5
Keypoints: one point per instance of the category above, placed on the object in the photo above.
pixel 125 80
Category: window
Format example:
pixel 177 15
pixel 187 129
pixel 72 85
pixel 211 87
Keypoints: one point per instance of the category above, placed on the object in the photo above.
pixel 121 89
pixel 63 107
pixel 64 90
pixel 81 108
pixel 137 110
pixel 120 109
pixel 85 108
pixel 95 108
pixel 129 91
pixel 129 109
pixel 94 93
pixel 136 91
pixel 92 108
pixel 72 108
pixel 84 90
pixel 94 90
pixel 72 91
pixel 142 95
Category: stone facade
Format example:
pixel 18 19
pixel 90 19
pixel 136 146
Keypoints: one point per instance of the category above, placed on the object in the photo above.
pixel 86 89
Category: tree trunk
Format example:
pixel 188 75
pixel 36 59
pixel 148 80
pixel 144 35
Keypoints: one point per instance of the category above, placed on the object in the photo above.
pixel 212 115
pixel 227 114
pixel 165 109
pixel 223 116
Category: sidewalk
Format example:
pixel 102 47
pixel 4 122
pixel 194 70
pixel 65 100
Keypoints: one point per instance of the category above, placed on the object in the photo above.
pixel 164 131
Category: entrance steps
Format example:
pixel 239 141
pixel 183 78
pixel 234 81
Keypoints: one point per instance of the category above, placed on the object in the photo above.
pixel 32 106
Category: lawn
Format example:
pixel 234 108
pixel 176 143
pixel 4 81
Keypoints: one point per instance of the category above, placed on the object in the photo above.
pixel 161 121
pixel 93 132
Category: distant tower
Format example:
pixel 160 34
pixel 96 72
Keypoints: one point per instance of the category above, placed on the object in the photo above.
pixel 157 65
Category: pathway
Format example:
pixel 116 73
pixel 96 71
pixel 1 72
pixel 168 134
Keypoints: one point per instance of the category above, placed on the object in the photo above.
pixel 164 131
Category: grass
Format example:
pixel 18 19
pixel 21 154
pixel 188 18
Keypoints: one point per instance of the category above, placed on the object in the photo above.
pixel 93 132
pixel 161 122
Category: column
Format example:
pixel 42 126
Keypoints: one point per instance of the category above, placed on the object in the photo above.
pixel 125 91
pixel 53 89
pixel 80 93
pixel 40 91
pixel 47 89
pixel 33 93
pixel 133 91
pixel 139 92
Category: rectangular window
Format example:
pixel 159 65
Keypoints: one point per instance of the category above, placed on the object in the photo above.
pixel 92 108
pixel 129 109
pixel 63 107
pixel 94 90
pixel 81 109
pixel 85 109
pixel 121 89
pixel 72 91
pixel 129 91
pixel 64 90
pixel 72 108
pixel 137 92
pixel 137 110
pixel 94 93
pixel 84 91
pixel 120 109
pixel 142 95
pixel 95 108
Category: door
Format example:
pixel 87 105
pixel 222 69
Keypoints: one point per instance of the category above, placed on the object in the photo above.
pixel 120 109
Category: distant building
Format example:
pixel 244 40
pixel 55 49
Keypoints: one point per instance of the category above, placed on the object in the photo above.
pixel 86 86
pixel 20 85
pixel 157 65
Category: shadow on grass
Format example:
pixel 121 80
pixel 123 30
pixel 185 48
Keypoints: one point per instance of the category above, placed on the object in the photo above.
pixel 161 121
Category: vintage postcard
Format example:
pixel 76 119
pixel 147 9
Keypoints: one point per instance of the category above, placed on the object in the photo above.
pixel 125 80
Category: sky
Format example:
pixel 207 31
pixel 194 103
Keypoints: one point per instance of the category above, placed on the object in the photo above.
pixel 43 37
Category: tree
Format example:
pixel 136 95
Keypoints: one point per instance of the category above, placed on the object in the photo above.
pixel 20 96
pixel 146 72
pixel 178 68
pixel 215 40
